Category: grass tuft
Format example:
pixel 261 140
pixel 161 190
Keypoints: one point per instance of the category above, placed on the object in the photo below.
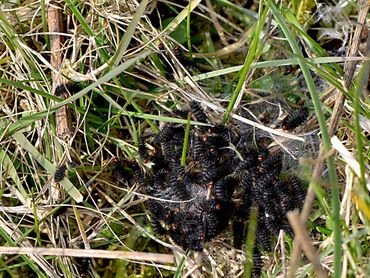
pixel 134 62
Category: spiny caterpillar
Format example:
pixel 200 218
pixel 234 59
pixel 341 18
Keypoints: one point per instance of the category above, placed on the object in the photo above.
pixel 60 173
pixel 194 203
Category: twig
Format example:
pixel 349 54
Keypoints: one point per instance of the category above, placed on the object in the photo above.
pixel 303 238
pixel 62 117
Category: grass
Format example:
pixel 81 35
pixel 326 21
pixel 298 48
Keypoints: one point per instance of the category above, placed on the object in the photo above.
pixel 336 227
pixel 117 53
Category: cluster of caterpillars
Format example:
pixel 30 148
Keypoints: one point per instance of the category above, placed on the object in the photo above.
pixel 224 176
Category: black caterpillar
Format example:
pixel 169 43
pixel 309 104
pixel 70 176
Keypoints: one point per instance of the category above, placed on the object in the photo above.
pixel 296 119
pixel 66 88
pixel 181 58
pixel 193 204
pixel 60 173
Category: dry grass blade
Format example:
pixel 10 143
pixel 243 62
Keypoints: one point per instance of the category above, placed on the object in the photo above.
pixel 7 169
pixel 230 48
pixel 181 16
pixel 82 253
pixel 13 231
pixel 255 124
pixel 349 158
pixel 350 67
pixel 218 27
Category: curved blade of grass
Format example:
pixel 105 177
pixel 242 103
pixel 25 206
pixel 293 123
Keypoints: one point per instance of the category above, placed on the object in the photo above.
pixel 47 165
pixel 7 168
pixel 248 61
pixel 315 47
pixel 325 136
pixel 351 161
pixel 277 63
pixel 181 16
pixel 359 146
pixel 98 40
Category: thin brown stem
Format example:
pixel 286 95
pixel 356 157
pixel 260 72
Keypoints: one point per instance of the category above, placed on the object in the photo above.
pixel 303 238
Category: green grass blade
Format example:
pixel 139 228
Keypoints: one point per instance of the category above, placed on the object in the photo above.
pixel 20 85
pixel 314 46
pixel 181 16
pixel 248 62
pixel 180 268
pixel 44 23
pixel 136 106
pixel 277 63
pixel 47 165
pixel 357 89
pixel 110 75
pixel 325 137
pixel 188 37
pixel 250 243
pixel 186 140
pixel 125 41
pixel 87 28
